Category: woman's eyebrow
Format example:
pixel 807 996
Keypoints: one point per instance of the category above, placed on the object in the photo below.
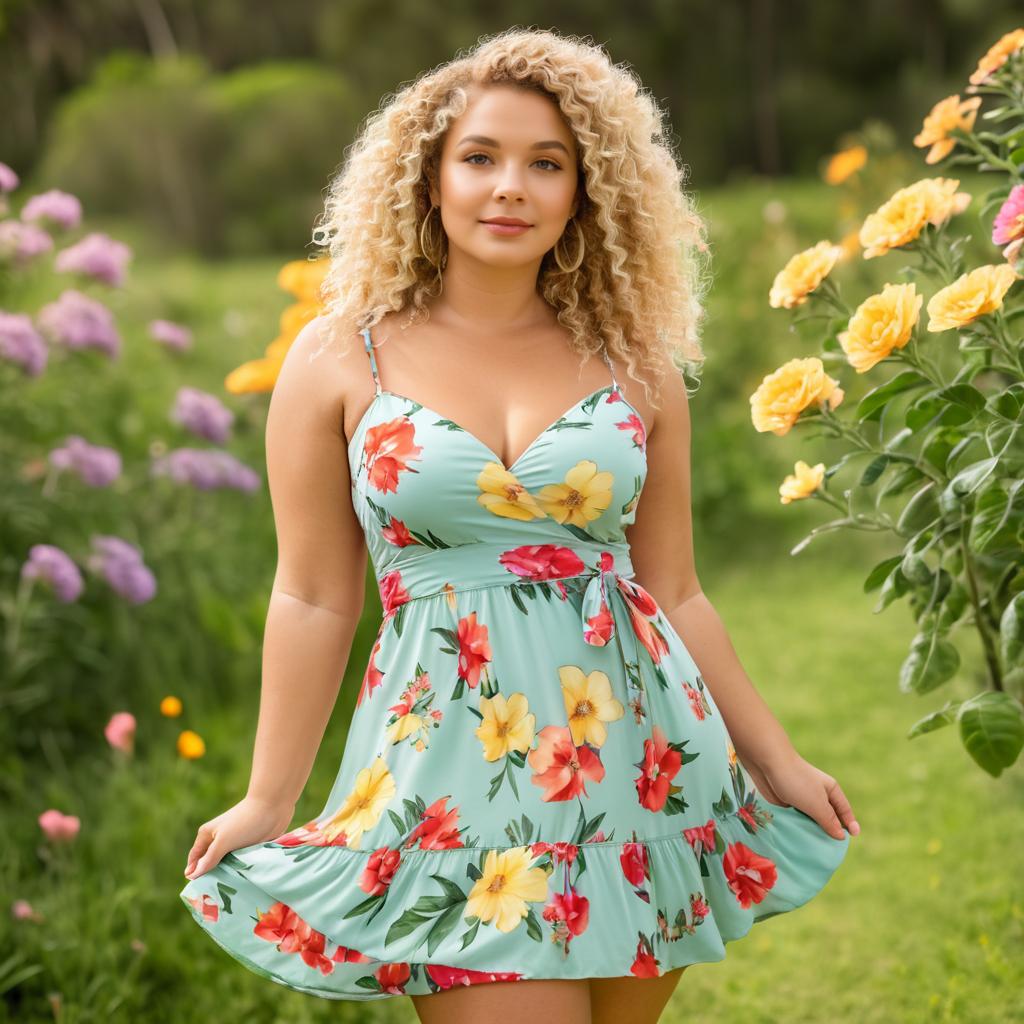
pixel 483 140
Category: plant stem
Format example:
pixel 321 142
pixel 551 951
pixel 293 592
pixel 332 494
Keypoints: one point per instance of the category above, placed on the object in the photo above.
pixel 991 657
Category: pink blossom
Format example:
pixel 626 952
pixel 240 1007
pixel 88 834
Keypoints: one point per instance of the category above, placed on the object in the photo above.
pixel 97 255
pixel 206 470
pixel 120 731
pixel 22 910
pixel 59 827
pixel 1009 222
pixel 22 243
pixel 55 567
pixel 203 414
pixel 21 343
pixel 121 565
pixel 77 321
pixel 94 464
pixel 172 335
pixel 9 181
pixel 60 208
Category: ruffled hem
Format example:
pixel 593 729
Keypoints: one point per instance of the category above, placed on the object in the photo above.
pixel 305 916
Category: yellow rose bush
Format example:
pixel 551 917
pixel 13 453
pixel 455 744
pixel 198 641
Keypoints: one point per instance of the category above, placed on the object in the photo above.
pixel 939 442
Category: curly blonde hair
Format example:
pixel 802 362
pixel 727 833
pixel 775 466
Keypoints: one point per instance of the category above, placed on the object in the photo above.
pixel 637 292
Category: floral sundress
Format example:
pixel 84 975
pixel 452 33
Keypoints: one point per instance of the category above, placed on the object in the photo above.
pixel 536 782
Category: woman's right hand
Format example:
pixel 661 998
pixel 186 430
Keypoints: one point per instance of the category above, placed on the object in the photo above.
pixel 250 821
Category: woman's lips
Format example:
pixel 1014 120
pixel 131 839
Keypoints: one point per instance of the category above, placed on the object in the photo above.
pixel 505 229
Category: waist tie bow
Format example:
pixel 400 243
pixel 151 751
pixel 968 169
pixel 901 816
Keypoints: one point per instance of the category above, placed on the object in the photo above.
pixel 598 620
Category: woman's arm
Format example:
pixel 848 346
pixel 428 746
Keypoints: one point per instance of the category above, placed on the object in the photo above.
pixel 315 603
pixel 661 548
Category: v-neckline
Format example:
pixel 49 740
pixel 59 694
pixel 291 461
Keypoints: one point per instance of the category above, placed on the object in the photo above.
pixel 514 465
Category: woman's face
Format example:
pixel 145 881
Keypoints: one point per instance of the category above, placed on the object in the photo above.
pixel 511 155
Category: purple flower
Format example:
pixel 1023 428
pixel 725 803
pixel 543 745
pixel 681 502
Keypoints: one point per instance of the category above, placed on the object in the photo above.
pixel 21 343
pixel 206 469
pixel 203 414
pixel 77 321
pixel 55 567
pixel 95 465
pixel 121 565
pixel 22 242
pixel 61 208
pixel 171 334
pixel 97 255
pixel 8 179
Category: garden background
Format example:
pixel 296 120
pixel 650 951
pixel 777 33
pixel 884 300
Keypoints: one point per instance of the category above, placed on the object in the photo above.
pixel 202 136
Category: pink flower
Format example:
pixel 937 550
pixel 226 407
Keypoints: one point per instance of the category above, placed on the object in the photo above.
pixel 97 255
pixel 8 179
pixel 22 242
pixel 60 208
pixel 59 827
pixel 78 321
pixel 22 344
pixel 170 334
pixel 21 910
pixel 120 731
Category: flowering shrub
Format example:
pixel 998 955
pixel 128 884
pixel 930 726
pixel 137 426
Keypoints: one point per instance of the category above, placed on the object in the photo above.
pixel 941 438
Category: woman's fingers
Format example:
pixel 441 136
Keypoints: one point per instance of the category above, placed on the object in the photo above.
pixel 204 837
pixel 843 810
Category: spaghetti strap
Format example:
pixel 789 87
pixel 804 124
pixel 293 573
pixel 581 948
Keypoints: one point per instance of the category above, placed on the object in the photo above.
pixel 373 359
pixel 611 370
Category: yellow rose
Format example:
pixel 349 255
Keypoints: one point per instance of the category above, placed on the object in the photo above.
pixel 303 278
pixel 971 295
pixel 802 483
pixel 845 163
pixel 783 395
pixel 257 375
pixel 802 274
pixel 997 56
pixel 946 115
pixel 881 323
pixel 901 218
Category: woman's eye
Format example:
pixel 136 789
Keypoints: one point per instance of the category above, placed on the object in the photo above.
pixel 542 160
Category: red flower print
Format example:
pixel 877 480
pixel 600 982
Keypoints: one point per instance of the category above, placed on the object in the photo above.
pixel 380 870
pixel 542 561
pixel 657 770
pixel 445 977
pixel 598 837
pixel 749 874
pixel 636 425
pixel 569 912
pixel 645 965
pixel 373 676
pixel 347 955
pixel 310 835
pixel 389 447
pixel 646 632
pixel 746 812
pixel 209 910
pixel 392 593
pixel 699 907
pixel 560 852
pixel 601 627
pixel 701 837
pixel 392 978
pixel 560 766
pixel 696 702
pixel 474 648
pixel 282 925
pixel 439 828
pixel 398 534
pixel 634 863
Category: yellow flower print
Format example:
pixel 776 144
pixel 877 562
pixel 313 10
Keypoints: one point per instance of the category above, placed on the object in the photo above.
pixel 405 726
pixel 588 704
pixel 505 496
pixel 508 725
pixel 585 494
pixel 507 883
pixel 374 788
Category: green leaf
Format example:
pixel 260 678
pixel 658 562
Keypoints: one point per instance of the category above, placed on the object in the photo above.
pixel 931 661
pixel 1011 633
pixel 922 510
pixel 992 729
pixel 870 407
pixel 971 477
pixel 946 715
pixel 879 572
pixel 873 470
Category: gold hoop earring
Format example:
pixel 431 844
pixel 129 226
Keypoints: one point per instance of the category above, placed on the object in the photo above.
pixel 575 265
pixel 432 248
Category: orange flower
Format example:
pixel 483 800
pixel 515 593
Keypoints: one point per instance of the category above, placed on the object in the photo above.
pixel 903 217
pixel 946 115
pixel 389 448
pixel 170 707
pixel 304 278
pixel 971 295
pixel 802 274
pixel 997 56
pixel 844 163
pixel 191 745
pixel 783 395
pixel 802 483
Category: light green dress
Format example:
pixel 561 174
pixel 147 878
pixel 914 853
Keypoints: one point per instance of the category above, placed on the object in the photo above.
pixel 537 782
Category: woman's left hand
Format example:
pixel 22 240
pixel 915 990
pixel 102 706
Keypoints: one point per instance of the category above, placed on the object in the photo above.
pixel 794 782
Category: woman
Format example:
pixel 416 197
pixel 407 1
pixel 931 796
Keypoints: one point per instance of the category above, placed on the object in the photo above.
pixel 558 776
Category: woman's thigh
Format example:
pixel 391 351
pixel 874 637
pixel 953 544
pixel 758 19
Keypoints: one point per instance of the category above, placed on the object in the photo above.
pixel 637 1000
pixel 567 1001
